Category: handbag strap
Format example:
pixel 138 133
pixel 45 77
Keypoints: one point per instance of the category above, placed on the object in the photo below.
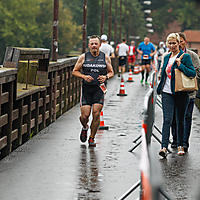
pixel 181 56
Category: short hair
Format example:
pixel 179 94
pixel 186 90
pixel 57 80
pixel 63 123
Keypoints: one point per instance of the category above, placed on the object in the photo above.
pixel 173 36
pixel 182 35
pixel 95 36
pixel 124 40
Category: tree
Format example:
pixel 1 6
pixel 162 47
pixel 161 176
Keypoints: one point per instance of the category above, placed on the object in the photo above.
pixel 29 24
pixel 69 32
pixel 185 12
pixel 93 17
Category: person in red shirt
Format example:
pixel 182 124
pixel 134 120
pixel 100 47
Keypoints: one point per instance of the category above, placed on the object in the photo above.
pixel 131 57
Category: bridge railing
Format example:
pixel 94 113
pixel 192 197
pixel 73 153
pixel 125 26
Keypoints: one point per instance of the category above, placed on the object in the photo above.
pixel 30 100
pixel 26 111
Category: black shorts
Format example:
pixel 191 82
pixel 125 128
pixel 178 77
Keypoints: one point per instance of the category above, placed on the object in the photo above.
pixel 122 60
pixel 91 94
pixel 146 61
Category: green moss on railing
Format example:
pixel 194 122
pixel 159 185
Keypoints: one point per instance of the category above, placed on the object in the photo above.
pixel 22 72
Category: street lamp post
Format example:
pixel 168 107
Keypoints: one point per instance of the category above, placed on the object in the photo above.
pixel 84 27
pixel 115 27
pixel 120 28
pixel 102 17
pixel 149 20
pixel 110 21
pixel 55 31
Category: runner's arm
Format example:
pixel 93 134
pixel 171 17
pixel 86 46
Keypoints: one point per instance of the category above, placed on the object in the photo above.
pixel 117 49
pixel 139 51
pixel 112 55
pixel 127 51
pixel 154 51
pixel 110 72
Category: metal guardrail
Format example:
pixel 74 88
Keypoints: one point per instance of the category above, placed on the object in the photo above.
pixel 150 179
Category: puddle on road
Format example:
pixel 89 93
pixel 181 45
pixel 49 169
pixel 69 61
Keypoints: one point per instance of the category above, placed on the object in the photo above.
pixel 89 178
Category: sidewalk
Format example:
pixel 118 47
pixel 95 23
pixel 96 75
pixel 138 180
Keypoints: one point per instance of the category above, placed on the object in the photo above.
pixel 181 174
pixel 55 165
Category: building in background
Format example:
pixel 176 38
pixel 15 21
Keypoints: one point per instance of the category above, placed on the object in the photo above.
pixel 193 39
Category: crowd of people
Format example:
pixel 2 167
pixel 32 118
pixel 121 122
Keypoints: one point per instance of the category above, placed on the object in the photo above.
pixel 95 68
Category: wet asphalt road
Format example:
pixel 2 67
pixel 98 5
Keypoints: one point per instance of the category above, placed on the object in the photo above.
pixel 55 165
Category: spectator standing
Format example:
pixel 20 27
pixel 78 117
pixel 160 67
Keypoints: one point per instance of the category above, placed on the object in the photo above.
pixel 170 99
pixel 192 95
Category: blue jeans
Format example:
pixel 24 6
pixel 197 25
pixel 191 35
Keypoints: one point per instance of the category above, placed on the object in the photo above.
pixel 174 128
pixel 170 102
pixel 188 122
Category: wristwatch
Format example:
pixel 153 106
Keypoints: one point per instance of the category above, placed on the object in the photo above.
pixel 107 77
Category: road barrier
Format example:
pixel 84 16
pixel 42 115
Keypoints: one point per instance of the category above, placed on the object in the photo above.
pixel 149 105
pixel 150 179
pixel 149 112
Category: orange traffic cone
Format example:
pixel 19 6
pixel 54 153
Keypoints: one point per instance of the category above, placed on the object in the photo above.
pixel 102 125
pixel 130 76
pixel 122 90
pixel 137 69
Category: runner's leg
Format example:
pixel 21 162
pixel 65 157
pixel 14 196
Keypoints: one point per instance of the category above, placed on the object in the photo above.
pixel 96 111
pixel 148 69
pixel 85 113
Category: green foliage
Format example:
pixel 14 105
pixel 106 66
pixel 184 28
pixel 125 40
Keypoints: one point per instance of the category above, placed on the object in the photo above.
pixel 69 32
pixel 188 15
pixel 93 17
pixel 133 22
pixel 185 12
pixel 76 7
pixel 29 24
pixel 135 18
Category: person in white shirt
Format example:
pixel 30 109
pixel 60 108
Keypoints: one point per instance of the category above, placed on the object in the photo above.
pixel 122 50
pixel 105 47
pixel 161 50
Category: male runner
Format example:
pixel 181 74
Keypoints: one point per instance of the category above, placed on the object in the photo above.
pixel 96 69
pixel 147 50
pixel 105 47
pixel 122 51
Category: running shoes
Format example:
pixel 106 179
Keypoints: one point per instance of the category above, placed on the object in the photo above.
pixel 91 142
pixel 83 135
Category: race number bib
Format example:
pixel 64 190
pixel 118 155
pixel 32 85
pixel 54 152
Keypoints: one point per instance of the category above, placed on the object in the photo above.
pixel 103 88
pixel 145 57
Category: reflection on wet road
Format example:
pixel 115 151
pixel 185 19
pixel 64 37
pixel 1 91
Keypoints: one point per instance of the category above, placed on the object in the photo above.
pixel 55 165
pixel 88 184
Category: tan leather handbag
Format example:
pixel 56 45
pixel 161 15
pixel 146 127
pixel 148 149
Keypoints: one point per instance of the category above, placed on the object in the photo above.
pixel 184 83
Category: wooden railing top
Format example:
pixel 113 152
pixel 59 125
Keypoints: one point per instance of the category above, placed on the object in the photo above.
pixel 61 63
pixel 7 71
pixel 21 92
pixel 32 51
